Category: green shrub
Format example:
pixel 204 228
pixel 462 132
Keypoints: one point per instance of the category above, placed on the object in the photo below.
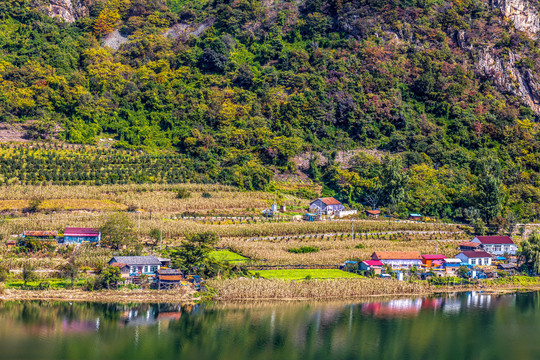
pixel 206 195
pixel 183 194
pixel 360 246
pixel 304 250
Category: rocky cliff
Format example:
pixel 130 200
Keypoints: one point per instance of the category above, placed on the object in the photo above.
pixel 69 10
pixel 522 13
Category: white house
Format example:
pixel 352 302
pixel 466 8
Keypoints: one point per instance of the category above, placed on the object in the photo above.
pixel 497 245
pixel 475 257
pixel 398 259
pixel 327 206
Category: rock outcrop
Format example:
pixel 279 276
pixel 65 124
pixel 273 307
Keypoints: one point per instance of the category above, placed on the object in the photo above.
pixel 509 78
pixel 69 10
pixel 522 13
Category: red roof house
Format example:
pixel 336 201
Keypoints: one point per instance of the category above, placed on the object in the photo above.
pixel 497 245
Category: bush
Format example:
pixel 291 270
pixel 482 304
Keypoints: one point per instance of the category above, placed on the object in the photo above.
pixel 183 194
pixel 304 250
pixel 360 246
pixel 206 195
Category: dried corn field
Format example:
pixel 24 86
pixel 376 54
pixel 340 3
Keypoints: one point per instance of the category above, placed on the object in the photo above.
pixel 331 251
pixel 150 198
pixel 262 289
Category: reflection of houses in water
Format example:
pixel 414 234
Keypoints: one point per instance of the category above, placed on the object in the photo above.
pixel 393 308
pixel 451 305
pixel 482 300
pixel 149 315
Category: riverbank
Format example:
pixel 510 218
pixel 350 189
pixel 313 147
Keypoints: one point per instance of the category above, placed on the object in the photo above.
pixel 244 289
pixel 116 296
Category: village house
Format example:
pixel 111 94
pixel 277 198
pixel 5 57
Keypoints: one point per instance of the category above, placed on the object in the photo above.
pixel 327 206
pixel 373 213
pixel 40 235
pixel 398 259
pixel 372 265
pixel 168 279
pixel 475 257
pixel 415 217
pixel 497 245
pixel 80 235
pixel 469 245
pixel 138 265
pixel 124 269
pixel 430 260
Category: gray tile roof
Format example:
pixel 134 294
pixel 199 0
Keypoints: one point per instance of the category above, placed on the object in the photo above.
pixel 136 260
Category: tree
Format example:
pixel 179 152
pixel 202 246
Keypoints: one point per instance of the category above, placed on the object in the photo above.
pixel 393 179
pixel 28 273
pixel 117 231
pixel 193 253
pixel 490 196
pixel 107 21
pixel 531 253
pixel 69 271
pixel 108 276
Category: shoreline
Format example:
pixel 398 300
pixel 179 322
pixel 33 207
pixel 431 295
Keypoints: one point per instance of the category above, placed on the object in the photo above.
pixel 179 296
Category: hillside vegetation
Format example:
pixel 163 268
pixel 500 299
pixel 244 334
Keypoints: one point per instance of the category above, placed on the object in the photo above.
pixel 238 88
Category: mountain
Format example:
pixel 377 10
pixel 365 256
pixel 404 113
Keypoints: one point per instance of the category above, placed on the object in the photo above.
pixel 446 94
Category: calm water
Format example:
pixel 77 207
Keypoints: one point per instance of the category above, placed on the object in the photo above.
pixel 466 326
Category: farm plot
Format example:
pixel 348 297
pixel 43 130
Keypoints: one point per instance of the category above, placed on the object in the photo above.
pixel 228 256
pixel 332 252
pixel 299 274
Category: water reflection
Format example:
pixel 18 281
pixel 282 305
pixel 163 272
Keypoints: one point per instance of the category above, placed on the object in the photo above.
pixel 470 325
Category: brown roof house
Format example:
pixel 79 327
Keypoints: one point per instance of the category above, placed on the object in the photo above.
pixel 373 213
pixel 469 245
pixel 398 259
pixel 327 206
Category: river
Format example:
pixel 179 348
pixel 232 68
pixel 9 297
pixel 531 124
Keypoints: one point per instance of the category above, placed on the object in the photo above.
pixel 460 326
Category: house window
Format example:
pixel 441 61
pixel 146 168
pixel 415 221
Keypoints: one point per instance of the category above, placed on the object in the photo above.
pixel 497 247
pixel 473 261
pixel 146 269
pixel 153 268
pixel 134 269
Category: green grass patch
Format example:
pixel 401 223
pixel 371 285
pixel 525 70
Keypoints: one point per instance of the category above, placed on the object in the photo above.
pixel 226 255
pixel 48 283
pixel 304 250
pixel 299 274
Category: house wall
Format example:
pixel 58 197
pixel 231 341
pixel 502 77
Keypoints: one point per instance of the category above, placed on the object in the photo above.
pixel 401 263
pixel 135 270
pixel 474 261
pixel 500 249
pixel 80 239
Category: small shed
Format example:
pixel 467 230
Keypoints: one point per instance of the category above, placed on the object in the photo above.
pixel 375 265
pixel 429 259
pixel 124 269
pixel 415 217
pixel 169 279
pixel 40 235
pixel 510 268
pixel 373 213
pixel 468 245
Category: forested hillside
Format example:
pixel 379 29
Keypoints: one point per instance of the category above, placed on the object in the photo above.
pixel 447 89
